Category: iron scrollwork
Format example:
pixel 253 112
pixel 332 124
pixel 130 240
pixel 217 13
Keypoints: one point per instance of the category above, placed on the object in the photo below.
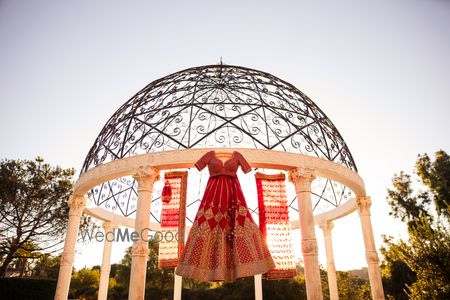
pixel 213 106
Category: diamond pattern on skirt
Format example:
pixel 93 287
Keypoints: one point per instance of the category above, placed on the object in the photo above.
pixel 232 244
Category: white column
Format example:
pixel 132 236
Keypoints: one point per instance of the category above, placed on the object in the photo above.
pixel 363 204
pixel 302 179
pixel 145 178
pixel 258 287
pixel 178 284
pixel 106 261
pixel 326 227
pixel 76 205
pixel 177 288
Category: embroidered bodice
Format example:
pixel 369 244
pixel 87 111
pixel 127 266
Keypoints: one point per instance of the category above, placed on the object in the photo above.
pixel 216 167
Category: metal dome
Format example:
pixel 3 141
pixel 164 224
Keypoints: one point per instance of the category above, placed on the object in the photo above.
pixel 214 106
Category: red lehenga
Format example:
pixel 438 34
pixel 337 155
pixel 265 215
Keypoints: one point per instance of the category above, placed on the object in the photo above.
pixel 224 242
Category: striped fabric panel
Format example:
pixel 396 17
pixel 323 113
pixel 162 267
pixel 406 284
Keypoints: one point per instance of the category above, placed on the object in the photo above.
pixel 173 218
pixel 274 224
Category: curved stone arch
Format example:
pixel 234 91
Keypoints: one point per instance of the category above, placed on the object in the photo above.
pixel 186 158
pixel 178 159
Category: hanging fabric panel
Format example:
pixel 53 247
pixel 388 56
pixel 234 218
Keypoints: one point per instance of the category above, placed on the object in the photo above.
pixel 274 224
pixel 173 218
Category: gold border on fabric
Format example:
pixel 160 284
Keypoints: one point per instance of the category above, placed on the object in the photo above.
pixel 183 175
pixel 280 176
pixel 279 273
pixel 210 239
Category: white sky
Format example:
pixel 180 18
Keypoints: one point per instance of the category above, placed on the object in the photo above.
pixel 380 71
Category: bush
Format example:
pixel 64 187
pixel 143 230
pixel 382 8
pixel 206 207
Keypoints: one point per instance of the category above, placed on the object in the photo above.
pixel 27 288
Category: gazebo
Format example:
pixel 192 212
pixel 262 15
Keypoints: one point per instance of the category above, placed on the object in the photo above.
pixel 173 121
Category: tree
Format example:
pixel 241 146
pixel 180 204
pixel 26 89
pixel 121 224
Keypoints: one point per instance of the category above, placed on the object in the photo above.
pixel 419 268
pixel 405 205
pixel 436 176
pixel 47 266
pixel 156 277
pixel 85 283
pixel 352 287
pixel 397 275
pixel 24 256
pixel 33 207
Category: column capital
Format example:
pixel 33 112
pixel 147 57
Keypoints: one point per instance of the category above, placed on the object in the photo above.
pixel 108 226
pixel 326 226
pixel 363 203
pixel 302 178
pixel 140 248
pixel 76 204
pixel 145 177
pixel 301 174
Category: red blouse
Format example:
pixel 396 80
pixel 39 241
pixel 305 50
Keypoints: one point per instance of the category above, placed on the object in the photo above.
pixel 216 167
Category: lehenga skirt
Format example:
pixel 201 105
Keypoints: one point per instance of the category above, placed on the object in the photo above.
pixel 224 243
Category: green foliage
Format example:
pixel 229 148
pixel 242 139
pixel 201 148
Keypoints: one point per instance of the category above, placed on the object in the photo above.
pixel 156 277
pixel 405 205
pixel 364 291
pixel 120 274
pixel 159 284
pixel 244 289
pixel 428 255
pixel 33 207
pixel 351 287
pixel 397 276
pixel 193 284
pixel 23 258
pixel 419 268
pixel 84 284
pixel 294 288
pixel 436 176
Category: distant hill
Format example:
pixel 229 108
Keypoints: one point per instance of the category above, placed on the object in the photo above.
pixel 361 273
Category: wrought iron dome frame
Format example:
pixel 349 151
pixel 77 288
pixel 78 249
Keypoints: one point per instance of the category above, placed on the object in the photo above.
pixel 215 106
